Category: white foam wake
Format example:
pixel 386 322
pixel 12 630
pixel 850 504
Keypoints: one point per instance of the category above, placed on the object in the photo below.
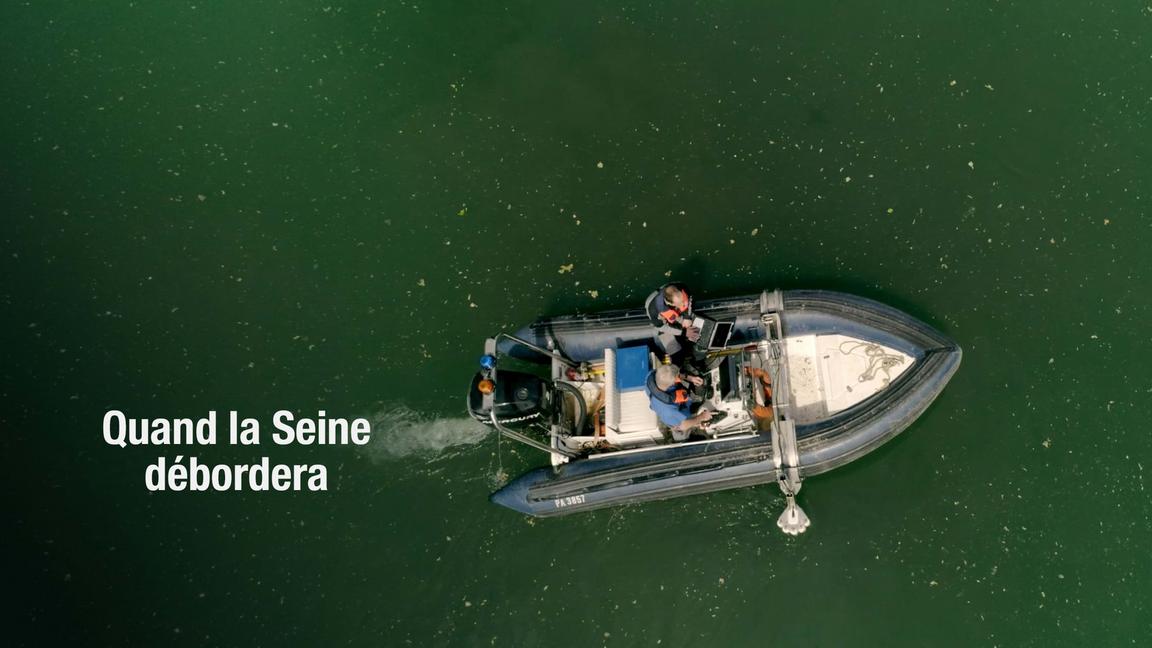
pixel 399 431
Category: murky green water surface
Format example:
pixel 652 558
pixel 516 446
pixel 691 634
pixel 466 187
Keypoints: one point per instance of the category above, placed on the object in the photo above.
pixel 289 205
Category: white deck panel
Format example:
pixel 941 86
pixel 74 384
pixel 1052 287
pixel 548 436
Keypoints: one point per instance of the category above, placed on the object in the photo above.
pixel 855 370
pixel 830 373
pixel 803 373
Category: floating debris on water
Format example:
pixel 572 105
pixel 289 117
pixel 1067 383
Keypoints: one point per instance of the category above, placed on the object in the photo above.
pixel 567 268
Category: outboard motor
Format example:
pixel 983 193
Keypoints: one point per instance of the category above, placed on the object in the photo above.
pixel 519 399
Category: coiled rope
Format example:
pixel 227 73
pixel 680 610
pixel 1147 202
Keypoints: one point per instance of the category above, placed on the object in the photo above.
pixel 878 360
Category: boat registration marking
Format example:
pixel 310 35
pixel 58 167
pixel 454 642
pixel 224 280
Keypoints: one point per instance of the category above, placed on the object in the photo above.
pixel 568 501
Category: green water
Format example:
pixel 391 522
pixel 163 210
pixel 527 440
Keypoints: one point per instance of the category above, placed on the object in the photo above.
pixel 284 205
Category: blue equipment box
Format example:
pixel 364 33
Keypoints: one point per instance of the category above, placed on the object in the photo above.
pixel 631 368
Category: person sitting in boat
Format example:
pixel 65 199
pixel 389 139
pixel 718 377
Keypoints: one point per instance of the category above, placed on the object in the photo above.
pixel 670 396
pixel 670 310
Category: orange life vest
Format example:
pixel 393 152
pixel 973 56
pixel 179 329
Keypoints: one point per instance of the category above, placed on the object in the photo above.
pixel 672 314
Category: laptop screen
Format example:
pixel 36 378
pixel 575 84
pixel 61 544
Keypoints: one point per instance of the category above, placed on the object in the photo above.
pixel 720 335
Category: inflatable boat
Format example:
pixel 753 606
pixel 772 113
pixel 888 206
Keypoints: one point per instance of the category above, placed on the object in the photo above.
pixel 801 382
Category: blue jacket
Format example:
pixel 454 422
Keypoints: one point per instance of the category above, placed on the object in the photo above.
pixel 664 402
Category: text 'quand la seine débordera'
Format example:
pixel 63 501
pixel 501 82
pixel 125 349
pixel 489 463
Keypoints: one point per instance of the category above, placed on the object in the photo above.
pixel 121 430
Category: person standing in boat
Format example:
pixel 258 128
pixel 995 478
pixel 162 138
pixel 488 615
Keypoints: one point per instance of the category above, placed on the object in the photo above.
pixel 670 396
pixel 670 310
